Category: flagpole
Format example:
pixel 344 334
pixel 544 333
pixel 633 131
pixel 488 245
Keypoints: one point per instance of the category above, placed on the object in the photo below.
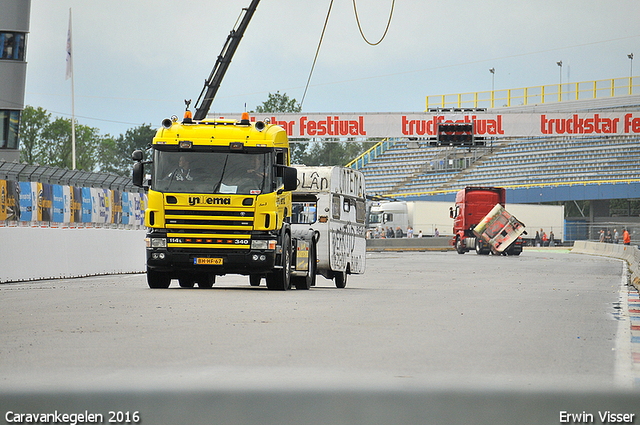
pixel 73 109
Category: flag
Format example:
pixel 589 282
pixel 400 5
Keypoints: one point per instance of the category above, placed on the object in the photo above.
pixel 69 58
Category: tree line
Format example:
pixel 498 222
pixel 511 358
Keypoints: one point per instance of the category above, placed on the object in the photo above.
pixel 46 140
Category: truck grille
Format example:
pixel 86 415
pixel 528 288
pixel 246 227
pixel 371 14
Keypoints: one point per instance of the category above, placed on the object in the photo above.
pixel 208 229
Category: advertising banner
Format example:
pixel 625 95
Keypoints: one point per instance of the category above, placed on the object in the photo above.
pixel 87 209
pixel 57 215
pixel 9 200
pixel 425 124
pixel 53 203
pixel 45 201
pixel 28 201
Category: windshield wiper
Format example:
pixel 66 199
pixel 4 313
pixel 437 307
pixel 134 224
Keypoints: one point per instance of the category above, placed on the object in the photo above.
pixel 217 186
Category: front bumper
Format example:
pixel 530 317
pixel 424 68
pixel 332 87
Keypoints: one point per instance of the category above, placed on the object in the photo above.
pixel 198 261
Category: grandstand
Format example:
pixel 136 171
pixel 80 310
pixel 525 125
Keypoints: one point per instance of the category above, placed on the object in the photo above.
pixel 406 169
pixel 414 167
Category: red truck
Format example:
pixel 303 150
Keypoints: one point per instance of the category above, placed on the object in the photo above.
pixel 482 223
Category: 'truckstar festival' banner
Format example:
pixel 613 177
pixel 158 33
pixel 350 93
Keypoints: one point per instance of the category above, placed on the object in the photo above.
pixel 425 125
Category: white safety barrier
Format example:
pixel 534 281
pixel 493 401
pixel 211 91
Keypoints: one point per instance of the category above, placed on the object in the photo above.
pixel 32 253
pixel 629 253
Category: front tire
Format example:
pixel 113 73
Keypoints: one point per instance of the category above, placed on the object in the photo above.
pixel 206 281
pixel 157 280
pixel 459 246
pixel 254 279
pixel 480 250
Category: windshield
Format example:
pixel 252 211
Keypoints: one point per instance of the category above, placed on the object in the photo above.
pixel 212 172
pixel 375 218
pixel 303 212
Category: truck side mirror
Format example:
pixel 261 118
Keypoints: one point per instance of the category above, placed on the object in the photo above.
pixel 290 178
pixel 137 155
pixel 138 173
pixel 451 212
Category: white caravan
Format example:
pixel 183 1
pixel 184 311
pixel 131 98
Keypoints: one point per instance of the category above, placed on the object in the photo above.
pixel 332 201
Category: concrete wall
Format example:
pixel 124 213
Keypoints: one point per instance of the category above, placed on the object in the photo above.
pixel 32 253
pixel 409 244
pixel 629 253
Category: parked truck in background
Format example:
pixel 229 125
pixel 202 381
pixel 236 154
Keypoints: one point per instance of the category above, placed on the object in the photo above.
pixel 332 201
pixel 482 223
pixel 425 216
pixel 431 215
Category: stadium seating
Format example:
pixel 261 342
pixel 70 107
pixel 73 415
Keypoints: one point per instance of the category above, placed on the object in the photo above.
pixel 405 168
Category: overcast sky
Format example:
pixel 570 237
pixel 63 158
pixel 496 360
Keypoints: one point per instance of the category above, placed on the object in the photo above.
pixel 135 61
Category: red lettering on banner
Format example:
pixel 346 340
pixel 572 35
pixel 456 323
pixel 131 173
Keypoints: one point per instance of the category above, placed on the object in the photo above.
pixel 332 126
pixel 631 125
pixel 430 127
pixel 576 125
pixel 287 125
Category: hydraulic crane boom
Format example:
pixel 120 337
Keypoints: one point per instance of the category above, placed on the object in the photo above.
pixel 212 84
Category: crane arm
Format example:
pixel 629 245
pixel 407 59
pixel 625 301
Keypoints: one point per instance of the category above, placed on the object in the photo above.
pixel 212 84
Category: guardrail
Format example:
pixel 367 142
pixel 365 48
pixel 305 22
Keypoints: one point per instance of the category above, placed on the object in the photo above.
pixel 375 151
pixel 549 93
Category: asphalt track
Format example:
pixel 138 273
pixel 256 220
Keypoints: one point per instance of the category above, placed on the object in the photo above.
pixel 534 329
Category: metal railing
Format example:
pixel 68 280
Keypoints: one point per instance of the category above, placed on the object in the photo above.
pixel 549 93
pixel 377 150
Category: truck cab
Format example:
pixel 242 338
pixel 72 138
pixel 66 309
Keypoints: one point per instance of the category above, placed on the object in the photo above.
pixel 473 205
pixel 219 202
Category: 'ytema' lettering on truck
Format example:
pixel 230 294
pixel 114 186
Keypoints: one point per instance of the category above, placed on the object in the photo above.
pixel 430 127
pixel 208 200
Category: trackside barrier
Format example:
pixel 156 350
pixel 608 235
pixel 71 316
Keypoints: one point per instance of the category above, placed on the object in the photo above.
pixel 410 244
pixel 34 253
pixel 629 253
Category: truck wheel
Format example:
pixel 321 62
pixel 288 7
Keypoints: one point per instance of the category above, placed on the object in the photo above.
pixel 459 246
pixel 186 281
pixel 479 249
pixel 206 281
pixel 340 279
pixel 254 279
pixel 280 279
pixel 306 282
pixel 157 280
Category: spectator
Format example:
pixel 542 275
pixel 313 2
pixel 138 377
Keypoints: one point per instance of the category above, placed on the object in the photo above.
pixel 537 239
pixel 399 233
pixel 409 232
pixel 607 237
pixel 552 241
pixel 601 235
pixel 419 234
pixel 544 239
pixel 626 238
pixel 616 236
pixel 437 233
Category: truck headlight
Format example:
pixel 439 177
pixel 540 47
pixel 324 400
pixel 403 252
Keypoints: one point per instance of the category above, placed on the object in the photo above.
pixel 157 242
pixel 263 244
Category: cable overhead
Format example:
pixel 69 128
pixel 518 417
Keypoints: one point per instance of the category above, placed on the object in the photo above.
pixel 316 57
pixel 393 3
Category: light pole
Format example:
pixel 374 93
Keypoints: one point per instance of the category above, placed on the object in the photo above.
pixel 630 56
pixel 493 76
pixel 560 85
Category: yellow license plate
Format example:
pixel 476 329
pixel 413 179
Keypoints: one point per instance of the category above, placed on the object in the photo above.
pixel 208 261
